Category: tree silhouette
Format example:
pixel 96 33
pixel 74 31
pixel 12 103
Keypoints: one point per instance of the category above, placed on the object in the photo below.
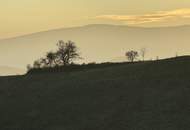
pixel 37 64
pixel 44 63
pixel 132 55
pixel 51 58
pixel 67 52
pixel 65 55
pixel 143 53
pixel 28 67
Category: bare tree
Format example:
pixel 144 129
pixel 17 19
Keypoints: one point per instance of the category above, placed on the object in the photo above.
pixel 143 53
pixel 51 58
pixel 132 55
pixel 67 52
pixel 65 55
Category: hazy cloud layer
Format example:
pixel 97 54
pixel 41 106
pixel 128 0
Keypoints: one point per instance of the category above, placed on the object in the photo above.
pixel 148 18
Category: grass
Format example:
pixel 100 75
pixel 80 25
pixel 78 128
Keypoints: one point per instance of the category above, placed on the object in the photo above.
pixel 142 96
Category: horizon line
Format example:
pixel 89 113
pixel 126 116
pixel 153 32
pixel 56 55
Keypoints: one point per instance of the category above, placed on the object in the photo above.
pixel 98 24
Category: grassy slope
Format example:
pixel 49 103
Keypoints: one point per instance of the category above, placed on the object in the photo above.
pixel 142 96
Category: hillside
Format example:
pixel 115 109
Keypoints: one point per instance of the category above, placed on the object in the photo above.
pixel 150 95
pixel 97 43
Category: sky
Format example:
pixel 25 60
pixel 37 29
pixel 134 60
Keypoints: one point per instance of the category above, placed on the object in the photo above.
pixel 19 17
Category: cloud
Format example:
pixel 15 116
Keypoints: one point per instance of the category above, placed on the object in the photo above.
pixel 148 18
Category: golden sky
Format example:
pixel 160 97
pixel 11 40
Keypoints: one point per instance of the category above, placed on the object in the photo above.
pixel 18 17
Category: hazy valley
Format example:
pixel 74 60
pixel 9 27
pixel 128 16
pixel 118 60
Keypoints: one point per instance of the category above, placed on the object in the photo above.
pixel 97 43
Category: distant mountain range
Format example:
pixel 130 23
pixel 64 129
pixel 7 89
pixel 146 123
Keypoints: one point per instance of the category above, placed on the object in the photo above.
pixel 98 43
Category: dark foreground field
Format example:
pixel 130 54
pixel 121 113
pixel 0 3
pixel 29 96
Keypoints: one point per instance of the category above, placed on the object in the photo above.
pixel 141 96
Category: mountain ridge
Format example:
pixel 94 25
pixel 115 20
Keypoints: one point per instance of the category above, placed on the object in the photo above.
pixel 92 25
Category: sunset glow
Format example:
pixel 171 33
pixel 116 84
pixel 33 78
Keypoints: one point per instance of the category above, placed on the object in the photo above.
pixel 20 17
